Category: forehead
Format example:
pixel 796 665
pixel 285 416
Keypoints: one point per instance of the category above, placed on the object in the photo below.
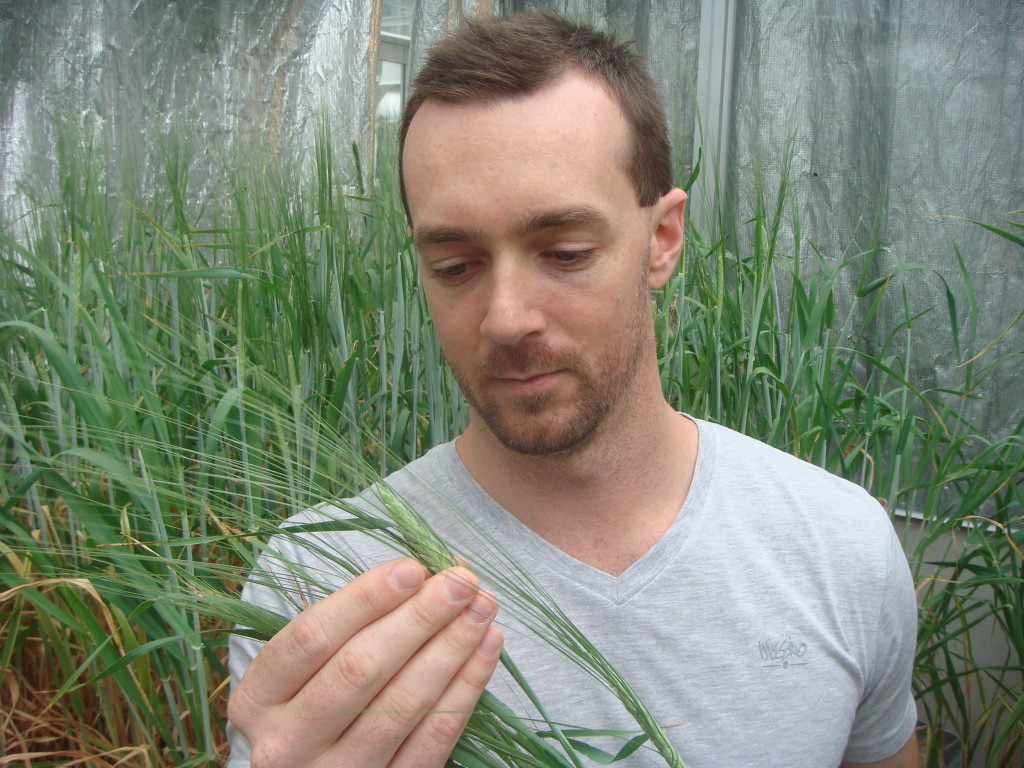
pixel 568 140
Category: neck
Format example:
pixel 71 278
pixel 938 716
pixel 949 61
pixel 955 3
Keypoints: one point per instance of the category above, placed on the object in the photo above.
pixel 607 502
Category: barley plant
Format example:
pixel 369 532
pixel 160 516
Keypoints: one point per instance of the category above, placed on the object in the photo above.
pixel 178 378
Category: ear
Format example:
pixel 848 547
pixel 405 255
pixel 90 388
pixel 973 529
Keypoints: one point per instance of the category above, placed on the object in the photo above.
pixel 666 237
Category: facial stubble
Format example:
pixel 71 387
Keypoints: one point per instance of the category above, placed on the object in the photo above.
pixel 539 425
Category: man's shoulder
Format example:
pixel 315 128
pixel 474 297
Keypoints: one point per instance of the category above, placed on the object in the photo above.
pixel 776 484
pixel 737 452
pixel 797 521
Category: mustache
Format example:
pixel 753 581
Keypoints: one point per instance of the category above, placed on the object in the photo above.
pixel 527 358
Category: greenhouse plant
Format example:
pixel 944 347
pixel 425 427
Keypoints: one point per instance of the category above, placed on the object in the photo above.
pixel 157 430
pixel 181 373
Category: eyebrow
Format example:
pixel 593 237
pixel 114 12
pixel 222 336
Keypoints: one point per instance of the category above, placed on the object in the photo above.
pixel 580 216
pixel 576 216
pixel 441 235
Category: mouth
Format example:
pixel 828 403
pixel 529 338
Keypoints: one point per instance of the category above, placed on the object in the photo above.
pixel 528 384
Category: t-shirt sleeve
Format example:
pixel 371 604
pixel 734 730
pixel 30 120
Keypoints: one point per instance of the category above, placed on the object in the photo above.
pixel 887 715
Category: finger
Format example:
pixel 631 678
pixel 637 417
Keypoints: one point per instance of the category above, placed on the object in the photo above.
pixel 415 691
pixel 432 741
pixel 296 653
pixel 336 695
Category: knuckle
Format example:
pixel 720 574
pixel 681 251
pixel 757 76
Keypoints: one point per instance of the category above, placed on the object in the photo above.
pixel 476 673
pixel 384 729
pixel 238 713
pixel 348 759
pixel 445 728
pixel 269 753
pixel 356 669
pixel 426 615
pixel 456 644
pixel 404 707
pixel 243 711
pixel 309 637
pixel 476 676
pixel 432 743
pixel 371 602
pixel 460 640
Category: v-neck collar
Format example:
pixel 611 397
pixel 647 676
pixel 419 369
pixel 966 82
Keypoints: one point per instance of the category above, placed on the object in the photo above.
pixel 534 552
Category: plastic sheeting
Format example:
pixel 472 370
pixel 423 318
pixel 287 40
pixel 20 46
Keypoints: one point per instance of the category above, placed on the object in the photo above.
pixel 899 114
pixel 241 72
pixel 235 72
pixel 902 116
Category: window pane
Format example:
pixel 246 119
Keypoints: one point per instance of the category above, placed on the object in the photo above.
pixel 396 17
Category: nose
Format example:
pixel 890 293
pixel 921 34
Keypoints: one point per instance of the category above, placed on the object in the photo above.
pixel 513 308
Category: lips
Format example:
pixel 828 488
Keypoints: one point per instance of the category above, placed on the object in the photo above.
pixel 529 368
pixel 529 383
pixel 526 376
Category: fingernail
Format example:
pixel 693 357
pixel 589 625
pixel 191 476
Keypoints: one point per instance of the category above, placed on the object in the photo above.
pixel 481 611
pixel 458 589
pixel 406 574
pixel 492 642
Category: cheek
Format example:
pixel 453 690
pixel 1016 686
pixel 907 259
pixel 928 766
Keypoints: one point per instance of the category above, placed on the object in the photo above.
pixel 453 322
pixel 446 328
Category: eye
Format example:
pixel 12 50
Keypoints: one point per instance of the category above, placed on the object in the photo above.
pixel 571 258
pixel 451 274
pixel 455 271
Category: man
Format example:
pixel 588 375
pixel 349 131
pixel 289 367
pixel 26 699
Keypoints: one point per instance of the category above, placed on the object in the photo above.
pixel 761 607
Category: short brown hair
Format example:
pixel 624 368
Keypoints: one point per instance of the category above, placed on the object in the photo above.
pixel 489 60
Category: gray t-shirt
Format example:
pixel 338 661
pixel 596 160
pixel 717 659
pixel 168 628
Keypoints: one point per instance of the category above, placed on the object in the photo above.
pixel 772 625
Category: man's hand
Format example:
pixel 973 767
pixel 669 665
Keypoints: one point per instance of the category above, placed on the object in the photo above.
pixel 384 672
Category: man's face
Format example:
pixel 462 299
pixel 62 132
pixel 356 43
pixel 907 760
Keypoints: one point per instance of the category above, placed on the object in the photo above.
pixel 533 253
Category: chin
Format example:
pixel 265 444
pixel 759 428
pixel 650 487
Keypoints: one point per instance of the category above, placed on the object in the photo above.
pixel 545 433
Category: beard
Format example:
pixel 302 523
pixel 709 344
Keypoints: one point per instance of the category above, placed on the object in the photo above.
pixel 551 422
